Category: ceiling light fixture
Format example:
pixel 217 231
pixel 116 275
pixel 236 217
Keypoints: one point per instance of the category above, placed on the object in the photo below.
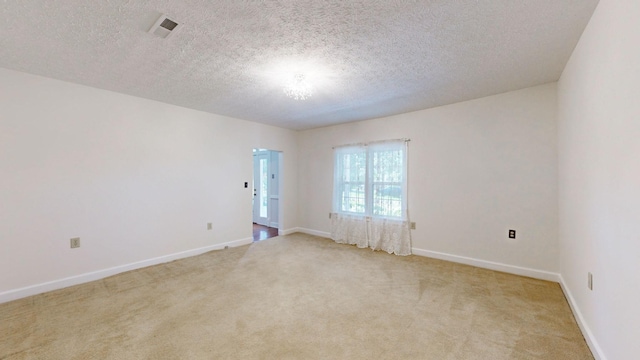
pixel 298 88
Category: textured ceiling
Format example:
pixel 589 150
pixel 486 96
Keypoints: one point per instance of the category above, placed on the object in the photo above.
pixel 365 59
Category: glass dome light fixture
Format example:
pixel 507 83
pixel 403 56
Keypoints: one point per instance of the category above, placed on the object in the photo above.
pixel 298 88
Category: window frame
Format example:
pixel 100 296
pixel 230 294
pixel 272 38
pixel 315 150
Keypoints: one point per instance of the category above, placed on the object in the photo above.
pixel 371 183
pixel 342 185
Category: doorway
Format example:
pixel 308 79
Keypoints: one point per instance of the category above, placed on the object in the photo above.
pixel 266 193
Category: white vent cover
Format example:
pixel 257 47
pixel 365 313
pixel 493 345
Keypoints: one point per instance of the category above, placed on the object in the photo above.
pixel 164 27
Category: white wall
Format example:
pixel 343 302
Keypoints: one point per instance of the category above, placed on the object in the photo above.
pixel 476 169
pixel 134 179
pixel 599 178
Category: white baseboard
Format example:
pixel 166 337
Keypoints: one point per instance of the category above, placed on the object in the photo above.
pixel 511 269
pixel 323 234
pixel 288 231
pixel 101 274
pixel 533 273
pixel 586 331
pixel 517 270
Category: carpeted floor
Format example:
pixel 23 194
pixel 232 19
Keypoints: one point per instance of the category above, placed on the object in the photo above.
pixel 297 297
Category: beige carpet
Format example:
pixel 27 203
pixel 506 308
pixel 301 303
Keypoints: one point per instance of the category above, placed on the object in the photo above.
pixel 297 297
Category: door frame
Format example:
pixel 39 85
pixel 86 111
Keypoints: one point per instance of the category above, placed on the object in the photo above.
pixel 258 156
pixel 275 188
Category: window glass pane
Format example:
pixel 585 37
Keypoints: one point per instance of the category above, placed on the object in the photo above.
pixel 387 200
pixel 354 167
pixel 370 180
pixel 387 181
pixel 352 178
pixel 264 196
pixel 353 198
pixel 387 166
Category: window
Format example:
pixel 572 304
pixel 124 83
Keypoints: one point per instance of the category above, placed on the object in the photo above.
pixel 370 180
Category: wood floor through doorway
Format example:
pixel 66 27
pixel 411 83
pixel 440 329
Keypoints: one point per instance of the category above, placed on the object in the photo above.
pixel 261 232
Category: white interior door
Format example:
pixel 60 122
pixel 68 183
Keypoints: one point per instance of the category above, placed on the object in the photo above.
pixel 261 188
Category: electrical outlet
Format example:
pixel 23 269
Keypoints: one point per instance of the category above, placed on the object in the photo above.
pixel 512 234
pixel 590 281
pixel 209 226
pixel 413 226
pixel 75 242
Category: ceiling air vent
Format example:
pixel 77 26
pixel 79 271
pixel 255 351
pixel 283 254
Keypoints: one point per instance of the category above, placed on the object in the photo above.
pixel 164 27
